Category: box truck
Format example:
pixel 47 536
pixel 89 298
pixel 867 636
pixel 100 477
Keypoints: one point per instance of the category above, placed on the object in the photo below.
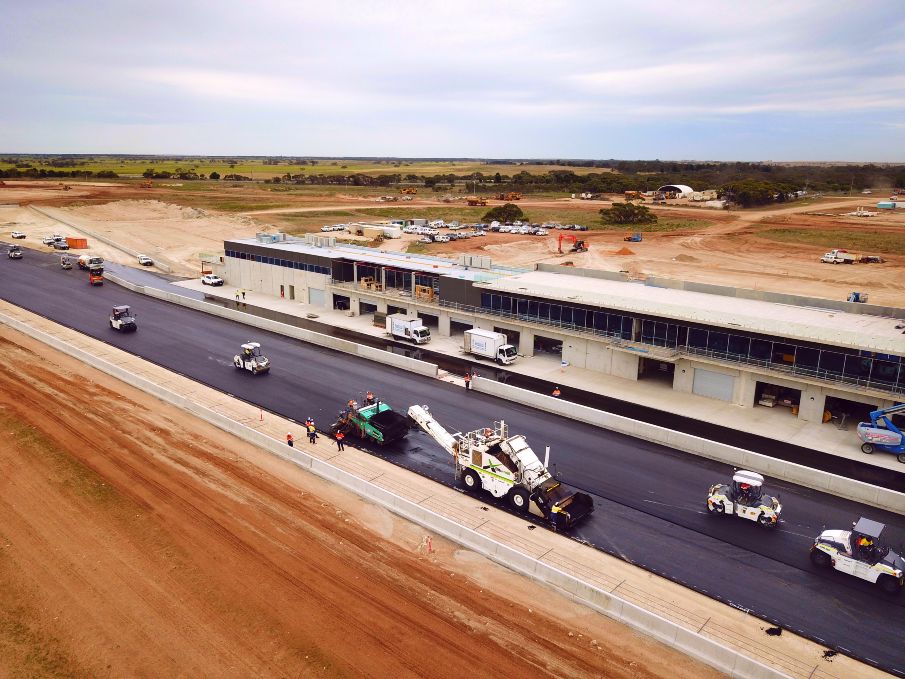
pixel 404 327
pixel 489 344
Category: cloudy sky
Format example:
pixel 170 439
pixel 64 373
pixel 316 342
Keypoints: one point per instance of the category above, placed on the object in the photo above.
pixel 746 80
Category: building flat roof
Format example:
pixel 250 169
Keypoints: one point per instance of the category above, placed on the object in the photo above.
pixel 824 326
pixel 396 260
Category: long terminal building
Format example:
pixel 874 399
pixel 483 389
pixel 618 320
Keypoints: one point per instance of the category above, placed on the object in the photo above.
pixel 742 346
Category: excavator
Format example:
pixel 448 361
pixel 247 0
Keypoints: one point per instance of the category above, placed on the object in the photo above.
pixel 408 191
pixel 577 244
pixel 505 466
pixel 510 196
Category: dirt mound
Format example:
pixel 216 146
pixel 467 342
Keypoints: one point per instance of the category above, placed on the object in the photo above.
pixel 685 258
pixel 624 251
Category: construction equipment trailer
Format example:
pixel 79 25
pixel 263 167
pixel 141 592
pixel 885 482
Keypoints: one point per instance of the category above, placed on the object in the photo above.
pixel 506 467
pixel 881 433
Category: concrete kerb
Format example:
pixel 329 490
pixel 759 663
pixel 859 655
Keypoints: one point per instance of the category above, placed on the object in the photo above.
pixel 858 491
pixel 103 239
pixel 707 650
pixel 345 346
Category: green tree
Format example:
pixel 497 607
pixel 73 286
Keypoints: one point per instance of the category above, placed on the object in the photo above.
pixel 215 175
pixel 504 213
pixel 628 213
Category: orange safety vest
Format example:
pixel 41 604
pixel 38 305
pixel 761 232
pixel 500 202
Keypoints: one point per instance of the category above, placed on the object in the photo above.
pixel 340 436
pixel 289 437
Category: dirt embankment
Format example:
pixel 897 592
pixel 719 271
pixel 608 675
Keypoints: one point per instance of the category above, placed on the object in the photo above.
pixel 137 541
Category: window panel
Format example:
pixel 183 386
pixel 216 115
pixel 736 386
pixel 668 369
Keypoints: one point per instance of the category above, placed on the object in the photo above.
pixel 738 345
pixel 697 338
pixel 832 362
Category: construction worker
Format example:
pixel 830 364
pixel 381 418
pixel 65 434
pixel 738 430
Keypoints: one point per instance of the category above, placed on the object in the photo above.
pixel 351 404
pixel 369 398
pixel 290 441
pixel 556 392
pixel 312 434
pixel 339 440
pixel 309 422
pixel 237 296
pixel 744 493
pixel 467 381
pixel 243 294
pixel 866 547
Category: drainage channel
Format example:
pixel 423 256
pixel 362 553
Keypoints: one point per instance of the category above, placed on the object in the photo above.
pixel 807 457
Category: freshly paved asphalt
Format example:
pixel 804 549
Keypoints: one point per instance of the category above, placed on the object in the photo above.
pixel 650 500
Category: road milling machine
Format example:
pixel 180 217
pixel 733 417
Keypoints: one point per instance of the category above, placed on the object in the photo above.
pixel 506 467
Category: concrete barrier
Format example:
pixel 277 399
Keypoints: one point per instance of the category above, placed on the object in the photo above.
pixel 346 346
pixel 808 477
pixel 102 239
pixel 707 650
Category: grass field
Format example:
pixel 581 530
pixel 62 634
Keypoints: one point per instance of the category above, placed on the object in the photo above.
pixel 255 167
pixel 857 241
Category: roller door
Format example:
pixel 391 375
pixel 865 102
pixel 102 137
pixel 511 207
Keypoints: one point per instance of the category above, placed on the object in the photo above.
pixel 713 384
pixel 316 297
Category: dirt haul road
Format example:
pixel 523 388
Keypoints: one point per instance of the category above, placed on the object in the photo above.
pixel 137 541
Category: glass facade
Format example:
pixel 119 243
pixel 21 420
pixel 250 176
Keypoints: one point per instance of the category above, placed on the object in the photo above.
pixel 864 368
pixel 276 261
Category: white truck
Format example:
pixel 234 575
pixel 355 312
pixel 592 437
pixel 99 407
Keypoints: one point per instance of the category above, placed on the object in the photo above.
pixel 490 344
pixel 506 467
pixel 839 257
pixel 89 261
pixel 405 327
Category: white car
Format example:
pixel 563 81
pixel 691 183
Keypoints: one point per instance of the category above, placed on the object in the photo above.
pixel 744 498
pixel 211 279
pixel 858 552
pixel 441 239
pixel 144 260
pixel 48 240
pixel 17 234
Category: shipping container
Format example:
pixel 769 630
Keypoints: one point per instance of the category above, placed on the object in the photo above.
pixel 77 243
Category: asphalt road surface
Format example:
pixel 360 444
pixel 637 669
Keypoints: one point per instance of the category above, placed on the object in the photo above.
pixel 650 500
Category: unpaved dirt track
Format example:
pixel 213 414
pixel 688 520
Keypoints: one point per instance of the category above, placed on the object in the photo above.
pixel 137 541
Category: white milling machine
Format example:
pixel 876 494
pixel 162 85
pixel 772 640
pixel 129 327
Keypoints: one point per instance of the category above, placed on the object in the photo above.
pixel 506 467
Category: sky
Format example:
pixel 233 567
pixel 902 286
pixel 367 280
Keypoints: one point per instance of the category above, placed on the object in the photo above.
pixel 743 80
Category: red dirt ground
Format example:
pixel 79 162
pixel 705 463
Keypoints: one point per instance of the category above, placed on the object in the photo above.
pixel 137 541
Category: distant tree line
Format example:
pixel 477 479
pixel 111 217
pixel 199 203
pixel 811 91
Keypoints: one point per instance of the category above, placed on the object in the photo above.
pixel 44 173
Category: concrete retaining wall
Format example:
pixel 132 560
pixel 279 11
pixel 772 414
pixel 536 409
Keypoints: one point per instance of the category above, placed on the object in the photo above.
pixel 739 457
pixel 345 346
pixel 103 239
pixel 703 648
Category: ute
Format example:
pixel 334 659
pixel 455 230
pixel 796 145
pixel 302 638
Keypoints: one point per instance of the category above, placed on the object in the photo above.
pixel 744 498
pixel 375 420
pixel 506 467
pixel 14 252
pixel 122 319
pixel 252 359
pixel 859 552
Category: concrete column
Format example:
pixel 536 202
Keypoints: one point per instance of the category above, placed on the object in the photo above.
pixel 355 273
pixel 746 387
pixel 383 278
pixel 443 325
pixel 382 306
pixel 683 377
pixel 812 405
pixel 526 342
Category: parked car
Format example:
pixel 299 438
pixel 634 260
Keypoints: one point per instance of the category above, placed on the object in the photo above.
pixel 211 279
pixel 17 234
pixel 144 260
pixel 48 240
pixel 441 239
pixel 60 245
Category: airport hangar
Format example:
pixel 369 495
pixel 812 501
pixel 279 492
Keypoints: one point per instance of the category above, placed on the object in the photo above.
pixel 741 346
